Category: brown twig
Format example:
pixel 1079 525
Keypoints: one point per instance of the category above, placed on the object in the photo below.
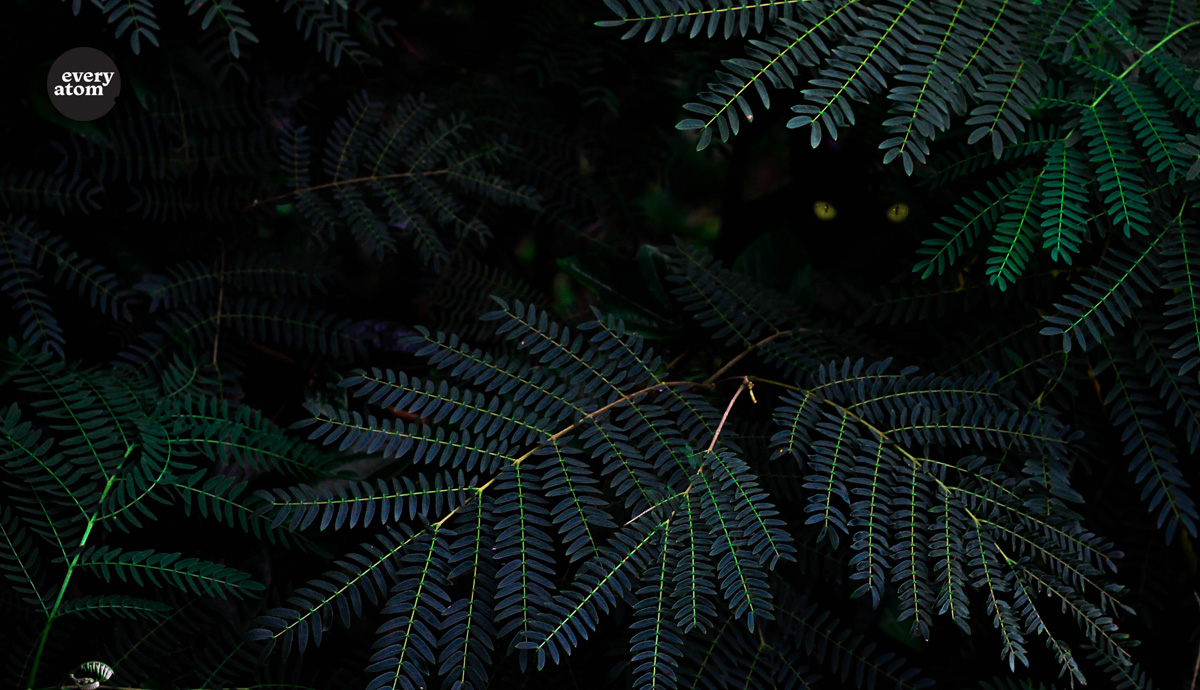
pixel 675 362
pixel 717 374
pixel 559 434
pixel 339 183
pixel 746 385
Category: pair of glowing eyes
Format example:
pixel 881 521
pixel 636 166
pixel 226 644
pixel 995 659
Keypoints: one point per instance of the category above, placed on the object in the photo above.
pixel 824 210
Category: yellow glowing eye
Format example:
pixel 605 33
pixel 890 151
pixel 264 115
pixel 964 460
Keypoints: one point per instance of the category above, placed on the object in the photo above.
pixel 897 212
pixel 824 210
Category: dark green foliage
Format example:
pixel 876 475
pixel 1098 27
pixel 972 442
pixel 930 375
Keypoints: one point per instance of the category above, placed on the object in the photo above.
pixel 1116 149
pixel 663 18
pixel 330 23
pixel 1100 303
pixel 415 166
pixel 48 190
pixel 1009 69
pixel 232 456
pixel 25 251
pixel 1089 111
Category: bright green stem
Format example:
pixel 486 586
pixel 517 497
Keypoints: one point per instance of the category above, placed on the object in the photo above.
pixel 1135 63
pixel 62 591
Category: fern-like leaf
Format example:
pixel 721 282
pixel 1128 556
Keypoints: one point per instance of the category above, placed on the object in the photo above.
pixel 569 618
pixel 1181 268
pixel 188 574
pixel 403 656
pixel 975 214
pixel 1015 234
pixel 1064 215
pixel 860 69
pixel 1121 185
pixel 228 14
pixel 1097 303
pixel 1152 456
pixel 666 18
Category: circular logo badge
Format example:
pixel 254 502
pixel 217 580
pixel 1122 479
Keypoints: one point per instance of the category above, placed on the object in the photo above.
pixel 83 84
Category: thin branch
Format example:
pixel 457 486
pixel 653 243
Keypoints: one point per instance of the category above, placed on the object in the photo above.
pixel 1134 64
pixel 675 362
pixel 746 385
pixel 618 401
pixel 717 374
pixel 341 183
pixel 572 427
